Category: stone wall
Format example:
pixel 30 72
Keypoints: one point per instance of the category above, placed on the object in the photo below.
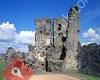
pixel 73 39
pixel 8 55
pixel 58 39
pixel 42 36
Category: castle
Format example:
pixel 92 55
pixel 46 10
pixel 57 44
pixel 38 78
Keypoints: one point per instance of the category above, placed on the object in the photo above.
pixel 57 42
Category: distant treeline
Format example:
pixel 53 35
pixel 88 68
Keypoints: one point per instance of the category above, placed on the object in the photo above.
pixel 90 59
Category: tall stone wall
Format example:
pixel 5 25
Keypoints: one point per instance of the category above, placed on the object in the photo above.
pixel 43 35
pixel 73 39
pixel 60 36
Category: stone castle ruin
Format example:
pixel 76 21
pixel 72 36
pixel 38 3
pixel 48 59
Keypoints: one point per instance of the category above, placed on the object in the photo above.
pixel 56 46
pixel 57 42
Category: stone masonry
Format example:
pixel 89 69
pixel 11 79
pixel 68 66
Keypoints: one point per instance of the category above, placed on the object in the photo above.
pixel 56 41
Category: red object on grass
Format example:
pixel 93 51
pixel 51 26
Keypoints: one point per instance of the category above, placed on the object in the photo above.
pixel 17 70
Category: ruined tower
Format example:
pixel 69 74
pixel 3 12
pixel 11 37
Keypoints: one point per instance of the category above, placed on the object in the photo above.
pixel 60 36
pixel 43 35
pixel 73 39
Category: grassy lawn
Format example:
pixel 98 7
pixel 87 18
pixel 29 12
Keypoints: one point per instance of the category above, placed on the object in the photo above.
pixel 1 69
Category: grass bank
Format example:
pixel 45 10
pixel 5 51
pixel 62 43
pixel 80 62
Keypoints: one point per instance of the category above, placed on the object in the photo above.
pixel 1 69
pixel 88 77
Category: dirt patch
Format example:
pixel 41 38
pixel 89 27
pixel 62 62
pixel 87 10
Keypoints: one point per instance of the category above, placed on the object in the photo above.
pixel 53 76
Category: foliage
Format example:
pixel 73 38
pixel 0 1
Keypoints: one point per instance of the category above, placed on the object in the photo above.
pixel 90 59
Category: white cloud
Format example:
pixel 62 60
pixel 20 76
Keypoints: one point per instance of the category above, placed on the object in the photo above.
pixel 7 32
pixel 91 36
pixel 89 33
pixel 26 37
pixel 9 37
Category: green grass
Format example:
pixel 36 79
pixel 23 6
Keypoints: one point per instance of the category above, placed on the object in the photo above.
pixel 1 70
pixel 88 77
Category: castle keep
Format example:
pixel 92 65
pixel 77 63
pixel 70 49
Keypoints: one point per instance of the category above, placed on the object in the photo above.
pixel 57 41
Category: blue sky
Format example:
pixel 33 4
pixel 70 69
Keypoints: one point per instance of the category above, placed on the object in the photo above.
pixel 20 15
